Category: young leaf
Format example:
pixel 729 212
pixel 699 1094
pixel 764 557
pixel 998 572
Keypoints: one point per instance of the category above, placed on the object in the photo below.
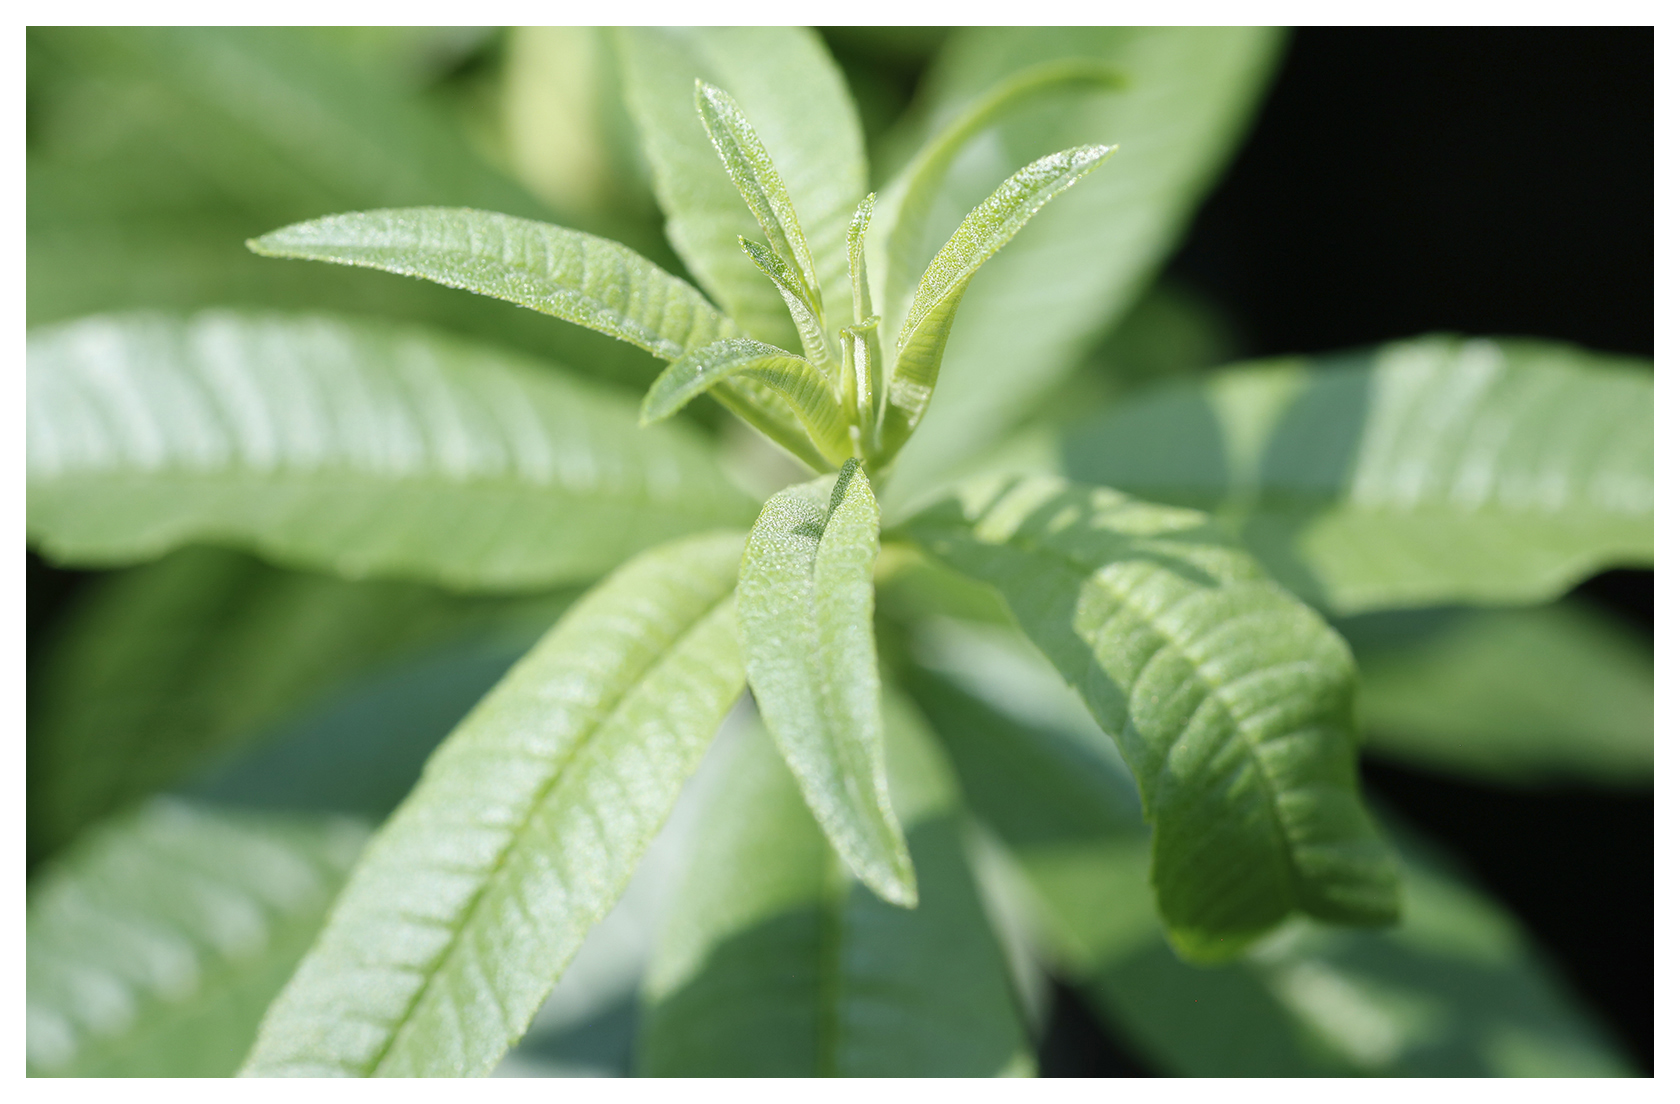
pixel 755 177
pixel 157 942
pixel 806 318
pixel 1423 472
pixel 921 340
pixel 1232 702
pixel 774 963
pixel 584 279
pixel 794 378
pixel 521 834
pixel 807 603
pixel 1041 303
pixel 160 669
pixel 350 446
pixel 910 198
pixel 1550 694
pixel 863 313
pixel 788 85
pixel 1453 990
pixel 565 273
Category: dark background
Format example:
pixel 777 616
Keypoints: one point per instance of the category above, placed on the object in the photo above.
pixel 1482 181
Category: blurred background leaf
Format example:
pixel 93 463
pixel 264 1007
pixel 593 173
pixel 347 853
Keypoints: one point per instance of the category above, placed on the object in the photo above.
pixel 155 945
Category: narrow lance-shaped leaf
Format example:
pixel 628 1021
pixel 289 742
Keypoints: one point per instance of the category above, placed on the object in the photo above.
pixel 350 446
pixel 921 340
pixel 805 318
pixel 1453 990
pixel 807 635
pixel 522 832
pixel 863 312
pixel 565 273
pixel 910 198
pixel 155 944
pixel 1430 471
pixel 754 174
pixel 786 82
pixel 1041 303
pixel 160 669
pixel 1231 701
pixel 793 377
pixel 773 962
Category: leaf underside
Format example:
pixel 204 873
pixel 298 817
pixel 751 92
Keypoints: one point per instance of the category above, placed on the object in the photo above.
pixel 807 604
pixel 1231 701
pixel 349 446
pixel 521 834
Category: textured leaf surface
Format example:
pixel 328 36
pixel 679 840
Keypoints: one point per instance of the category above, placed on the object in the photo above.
pixel 1424 472
pixel 986 229
pixel 354 447
pixel 1454 990
pixel 155 944
pixel 1548 694
pixel 163 667
pixel 1232 702
pixel 523 831
pixel 908 200
pixel 754 174
pixel 789 88
pixel 1038 306
pixel 775 963
pixel 793 377
pixel 807 634
pixel 579 277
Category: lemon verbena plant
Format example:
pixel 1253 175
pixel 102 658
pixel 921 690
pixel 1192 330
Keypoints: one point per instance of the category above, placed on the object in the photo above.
pixel 914 816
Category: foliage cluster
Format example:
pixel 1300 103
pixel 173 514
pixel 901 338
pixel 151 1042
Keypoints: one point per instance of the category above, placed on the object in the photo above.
pixel 351 510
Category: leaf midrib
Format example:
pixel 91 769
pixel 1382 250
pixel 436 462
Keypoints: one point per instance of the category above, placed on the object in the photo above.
pixel 1080 570
pixel 491 876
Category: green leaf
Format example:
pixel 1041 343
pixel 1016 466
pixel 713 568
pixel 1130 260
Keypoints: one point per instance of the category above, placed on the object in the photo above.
pixel 1551 694
pixel 350 446
pixel 584 279
pixel 806 318
pixel 1454 990
pixel 159 669
pixel 565 273
pixel 927 326
pixel 523 831
pixel 755 177
pixel 1232 702
pixel 774 963
pixel 784 81
pixel 1037 308
pixel 155 945
pixel 807 636
pixel 910 197
pixel 274 118
pixel 1430 471
pixel 793 377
